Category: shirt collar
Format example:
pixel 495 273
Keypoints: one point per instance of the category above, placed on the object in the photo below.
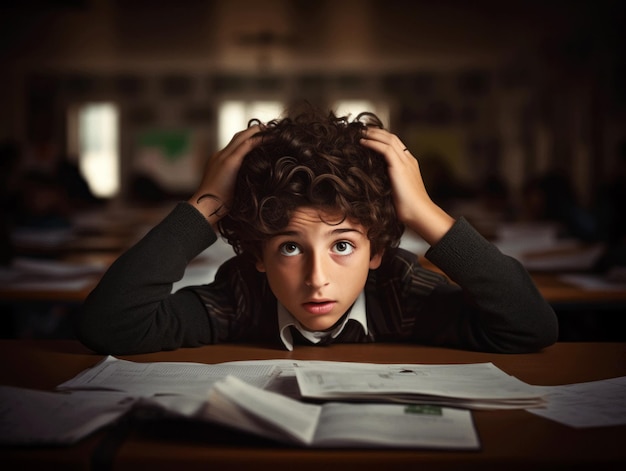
pixel 286 320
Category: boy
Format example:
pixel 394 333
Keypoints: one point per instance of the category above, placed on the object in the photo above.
pixel 314 206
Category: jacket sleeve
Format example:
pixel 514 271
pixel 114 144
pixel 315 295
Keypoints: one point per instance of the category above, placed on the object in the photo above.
pixel 493 305
pixel 132 309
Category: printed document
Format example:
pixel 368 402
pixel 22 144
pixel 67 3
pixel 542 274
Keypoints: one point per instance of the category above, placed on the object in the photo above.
pixel 474 386
pixel 239 405
pixel 149 379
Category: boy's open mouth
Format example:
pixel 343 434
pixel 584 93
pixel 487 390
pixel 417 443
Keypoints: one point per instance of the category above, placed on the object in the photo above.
pixel 319 307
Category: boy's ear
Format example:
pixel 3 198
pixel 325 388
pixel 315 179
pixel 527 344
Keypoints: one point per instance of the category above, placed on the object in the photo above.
pixel 376 260
pixel 260 266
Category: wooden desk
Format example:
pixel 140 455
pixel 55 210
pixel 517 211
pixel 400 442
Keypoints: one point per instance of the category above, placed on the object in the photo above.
pixel 510 439
pixel 73 295
pixel 48 287
pixel 557 291
pixel 584 315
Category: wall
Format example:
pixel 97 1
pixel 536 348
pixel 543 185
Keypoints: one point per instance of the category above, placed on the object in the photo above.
pixel 516 87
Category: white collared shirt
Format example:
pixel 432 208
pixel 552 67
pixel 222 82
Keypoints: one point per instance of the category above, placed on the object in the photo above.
pixel 286 320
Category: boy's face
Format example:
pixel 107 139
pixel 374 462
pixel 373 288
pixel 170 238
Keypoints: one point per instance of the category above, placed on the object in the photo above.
pixel 316 269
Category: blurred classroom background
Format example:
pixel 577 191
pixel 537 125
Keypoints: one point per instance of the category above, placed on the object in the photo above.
pixel 108 109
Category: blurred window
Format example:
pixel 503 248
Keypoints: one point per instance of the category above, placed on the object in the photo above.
pixel 352 108
pixel 93 129
pixel 233 116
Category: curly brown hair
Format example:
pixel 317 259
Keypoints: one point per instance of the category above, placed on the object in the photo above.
pixel 311 160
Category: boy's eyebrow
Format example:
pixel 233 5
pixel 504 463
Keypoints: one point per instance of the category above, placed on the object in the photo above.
pixel 339 230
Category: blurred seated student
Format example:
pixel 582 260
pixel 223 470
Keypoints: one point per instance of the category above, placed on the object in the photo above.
pixel 551 198
pixel 314 206
pixel 145 191
pixel 611 214
pixel 41 202
pixel 445 188
pixel 78 191
pixel 47 195
pixel 495 196
pixel 9 162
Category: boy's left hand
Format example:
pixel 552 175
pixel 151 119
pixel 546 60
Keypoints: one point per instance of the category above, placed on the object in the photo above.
pixel 414 206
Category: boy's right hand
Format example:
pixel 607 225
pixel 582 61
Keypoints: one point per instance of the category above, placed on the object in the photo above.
pixel 215 193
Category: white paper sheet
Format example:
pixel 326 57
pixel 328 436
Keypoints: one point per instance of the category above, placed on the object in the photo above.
pixel 148 379
pixel 591 404
pixel 30 416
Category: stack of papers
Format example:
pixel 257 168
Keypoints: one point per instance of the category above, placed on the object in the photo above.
pixel 308 403
pixel 472 386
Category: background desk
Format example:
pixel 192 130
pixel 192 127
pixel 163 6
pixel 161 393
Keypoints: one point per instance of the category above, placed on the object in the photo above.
pixel 584 314
pixel 510 439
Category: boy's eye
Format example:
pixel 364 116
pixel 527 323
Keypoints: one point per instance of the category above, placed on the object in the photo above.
pixel 289 249
pixel 343 248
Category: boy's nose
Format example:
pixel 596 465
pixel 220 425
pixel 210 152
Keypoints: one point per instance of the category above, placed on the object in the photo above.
pixel 316 276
